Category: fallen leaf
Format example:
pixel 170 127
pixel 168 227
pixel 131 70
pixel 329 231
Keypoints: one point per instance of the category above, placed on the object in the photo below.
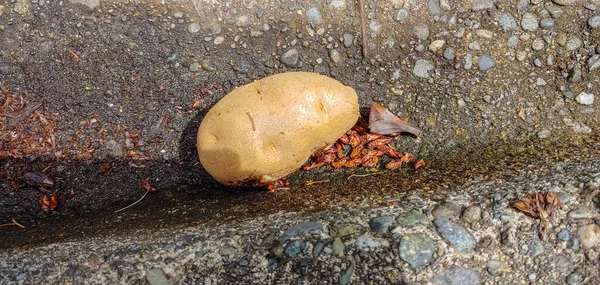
pixel 521 114
pixel 382 121
pixel 104 167
pixel 539 205
pixel 37 179
pixel 48 203
pixel 146 185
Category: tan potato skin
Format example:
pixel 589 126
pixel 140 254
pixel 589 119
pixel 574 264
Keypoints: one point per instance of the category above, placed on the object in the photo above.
pixel 263 131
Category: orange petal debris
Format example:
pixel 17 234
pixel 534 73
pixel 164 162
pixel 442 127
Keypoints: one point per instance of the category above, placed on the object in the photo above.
pixel 539 205
pixel 278 185
pixel 521 114
pixel 359 147
pixel 146 185
pixel 48 203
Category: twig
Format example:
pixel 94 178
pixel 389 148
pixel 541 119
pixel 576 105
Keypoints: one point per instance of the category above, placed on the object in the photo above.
pixel 277 189
pixel 122 209
pixel 75 56
pixel 316 182
pixel 8 115
pixel 363 29
pixel 364 175
pixel 14 223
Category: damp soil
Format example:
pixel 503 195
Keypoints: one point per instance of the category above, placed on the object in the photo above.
pixel 188 197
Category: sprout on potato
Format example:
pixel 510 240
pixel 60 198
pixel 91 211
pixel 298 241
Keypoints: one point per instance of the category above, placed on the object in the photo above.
pixel 265 130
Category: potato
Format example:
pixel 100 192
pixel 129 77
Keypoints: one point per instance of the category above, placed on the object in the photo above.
pixel 265 130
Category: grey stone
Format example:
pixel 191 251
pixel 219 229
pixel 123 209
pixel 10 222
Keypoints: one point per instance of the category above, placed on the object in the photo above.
pixel 468 61
pixel 460 32
pixel 434 8
pixel 585 98
pixel 583 212
pixel 375 27
pixel 436 45
pixel 538 62
pixel 194 27
pixel 594 22
pixel 544 134
pixel 554 11
pixel 401 15
pixel 472 214
pixel 529 22
pixel 563 235
pixel 507 22
pixel 381 224
pixel 367 241
pixel 335 57
pixel 417 249
pixel 156 276
pixel 338 247
pixel 575 75
pixel 513 41
pixel 485 62
pixel 421 31
pixel 540 81
pixel 422 68
pixel 537 44
pixel 566 2
pixel 412 218
pixel 243 21
pixel 89 3
pixel 480 5
pixel 446 210
pixel 260 13
pixel 573 43
pixel 474 45
pixel 594 62
pixel 348 40
pixel 449 53
pixel 290 58
pixel 522 5
pixel 459 237
pixel 347 275
pixel 314 16
pixel 295 247
pixel 457 276
pixel 563 197
pixel 547 24
pixel 574 279
pixel 535 247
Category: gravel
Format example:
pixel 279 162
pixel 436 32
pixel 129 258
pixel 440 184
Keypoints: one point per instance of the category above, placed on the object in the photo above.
pixel 457 276
pixel 594 62
pixel 594 22
pixel 421 31
pixel 417 249
pixel 401 15
pixel 314 17
pixel 507 22
pixel 290 58
pixel 459 237
pixel 449 53
pixel 585 98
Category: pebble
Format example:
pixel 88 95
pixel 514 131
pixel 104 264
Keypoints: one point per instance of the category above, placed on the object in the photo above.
pixel 446 210
pixel 338 247
pixel 583 212
pixel 348 40
pixel 459 237
pixel 381 224
pixel 572 43
pixel 544 134
pixel 434 8
pixel 449 53
pixel 314 16
pixel 401 15
pixel 529 22
pixel 460 32
pixel 416 249
pixel 412 218
pixel 575 75
pixel 513 41
pixel 375 27
pixel 295 247
pixel 421 31
pixel 194 27
pixel 367 241
pixel 480 5
pixel 468 61
pixel 547 24
pixel 457 276
pixel 540 81
pixel 485 62
pixel 594 22
pixel 335 57
pixel 347 275
pixel 474 45
pixel 243 21
pixel 436 45
pixel 156 276
pixel 507 22
pixel 116 150
pixel 594 62
pixel 563 235
pixel 585 98
pixel 563 197
pixel 554 11
pixel 260 13
pixel 472 214
pixel 290 58
pixel 574 279
pixel 537 44
pixel 566 2
pixel 535 247
pixel 422 68
pixel 538 62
